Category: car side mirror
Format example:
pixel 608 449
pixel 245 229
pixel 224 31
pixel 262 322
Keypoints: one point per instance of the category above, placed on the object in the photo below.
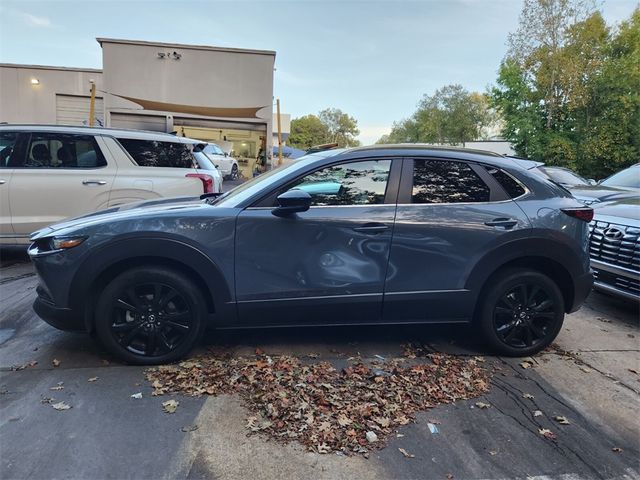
pixel 592 182
pixel 292 201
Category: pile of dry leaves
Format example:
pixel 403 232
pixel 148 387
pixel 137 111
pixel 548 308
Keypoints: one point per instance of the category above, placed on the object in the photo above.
pixel 327 410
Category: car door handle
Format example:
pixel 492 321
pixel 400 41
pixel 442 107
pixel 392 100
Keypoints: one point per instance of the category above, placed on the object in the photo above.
pixel 94 182
pixel 2 182
pixel 372 228
pixel 502 222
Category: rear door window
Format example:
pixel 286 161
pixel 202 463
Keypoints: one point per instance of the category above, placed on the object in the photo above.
pixel 445 181
pixel 63 150
pixel 153 153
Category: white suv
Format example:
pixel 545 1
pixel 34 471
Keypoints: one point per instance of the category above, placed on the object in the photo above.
pixel 227 165
pixel 49 173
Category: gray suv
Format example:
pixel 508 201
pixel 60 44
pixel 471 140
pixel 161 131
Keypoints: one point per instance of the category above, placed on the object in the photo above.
pixel 403 234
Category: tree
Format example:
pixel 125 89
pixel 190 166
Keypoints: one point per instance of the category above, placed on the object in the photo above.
pixel 451 115
pixel 331 125
pixel 341 128
pixel 568 88
pixel 307 131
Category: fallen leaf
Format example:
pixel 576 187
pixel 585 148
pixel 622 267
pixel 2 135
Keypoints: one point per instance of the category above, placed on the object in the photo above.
pixel 449 476
pixel 493 452
pixel 527 364
pixel 528 396
pixel 585 369
pixel 405 453
pixel 30 364
pixel 57 387
pixel 562 420
pixel 617 450
pixel 189 428
pixel 482 405
pixel 343 421
pixel 137 395
pixel 537 413
pixel 170 406
pixel 545 432
pixel 92 379
pixel 61 406
pixel 55 362
pixel 633 371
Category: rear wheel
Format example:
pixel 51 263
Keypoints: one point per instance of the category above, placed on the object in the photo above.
pixel 150 315
pixel 522 312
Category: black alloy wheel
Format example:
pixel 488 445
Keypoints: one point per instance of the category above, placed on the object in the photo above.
pixel 150 315
pixel 150 319
pixel 521 312
pixel 524 316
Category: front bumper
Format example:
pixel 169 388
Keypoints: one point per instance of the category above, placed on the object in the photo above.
pixel 619 281
pixel 60 318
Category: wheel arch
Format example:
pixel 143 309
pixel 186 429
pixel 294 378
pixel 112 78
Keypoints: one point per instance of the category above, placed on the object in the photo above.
pixel 556 260
pixel 106 263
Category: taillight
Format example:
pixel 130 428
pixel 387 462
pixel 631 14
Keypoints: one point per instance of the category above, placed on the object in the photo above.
pixel 207 181
pixel 585 214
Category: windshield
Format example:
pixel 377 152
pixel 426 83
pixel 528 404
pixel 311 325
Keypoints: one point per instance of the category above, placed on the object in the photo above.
pixel 627 178
pixel 561 175
pixel 253 186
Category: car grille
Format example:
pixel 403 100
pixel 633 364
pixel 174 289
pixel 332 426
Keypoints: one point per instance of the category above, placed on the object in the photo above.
pixel 617 245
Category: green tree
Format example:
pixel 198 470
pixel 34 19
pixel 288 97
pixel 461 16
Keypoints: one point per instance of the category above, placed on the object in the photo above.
pixel 331 125
pixel 568 88
pixel 451 115
pixel 307 131
pixel 341 127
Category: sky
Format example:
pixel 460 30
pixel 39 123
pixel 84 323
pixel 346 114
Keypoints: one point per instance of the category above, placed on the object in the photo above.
pixel 372 59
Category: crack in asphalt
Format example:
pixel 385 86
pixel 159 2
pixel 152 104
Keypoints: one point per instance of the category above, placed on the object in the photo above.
pixel 518 401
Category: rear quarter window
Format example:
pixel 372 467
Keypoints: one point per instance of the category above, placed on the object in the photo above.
pixel 153 153
pixel 511 186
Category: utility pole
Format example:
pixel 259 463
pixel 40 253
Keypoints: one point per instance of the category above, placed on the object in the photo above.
pixel 279 133
pixel 92 104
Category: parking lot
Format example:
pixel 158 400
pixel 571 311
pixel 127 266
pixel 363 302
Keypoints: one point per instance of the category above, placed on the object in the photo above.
pixel 589 376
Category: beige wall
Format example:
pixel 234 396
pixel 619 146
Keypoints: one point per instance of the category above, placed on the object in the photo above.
pixel 22 102
pixel 203 76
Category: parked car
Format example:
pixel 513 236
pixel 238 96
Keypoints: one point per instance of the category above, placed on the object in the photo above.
pixel 227 165
pixel 50 172
pixel 565 177
pixel 614 247
pixel 624 184
pixel 374 235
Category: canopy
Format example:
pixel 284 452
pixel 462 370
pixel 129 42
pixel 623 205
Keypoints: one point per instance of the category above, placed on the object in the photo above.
pixel 223 112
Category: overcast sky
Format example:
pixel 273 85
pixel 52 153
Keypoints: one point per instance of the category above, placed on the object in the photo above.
pixel 372 59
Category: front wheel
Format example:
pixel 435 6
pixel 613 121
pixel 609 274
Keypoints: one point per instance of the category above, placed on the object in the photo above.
pixel 521 313
pixel 150 315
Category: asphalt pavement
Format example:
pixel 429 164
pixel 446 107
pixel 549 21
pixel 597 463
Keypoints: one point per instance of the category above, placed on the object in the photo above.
pixel 590 376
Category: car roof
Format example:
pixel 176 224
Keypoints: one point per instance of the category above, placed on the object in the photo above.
pixel 436 151
pixel 110 132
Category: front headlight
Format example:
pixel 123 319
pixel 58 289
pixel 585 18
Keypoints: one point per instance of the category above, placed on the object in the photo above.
pixel 64 243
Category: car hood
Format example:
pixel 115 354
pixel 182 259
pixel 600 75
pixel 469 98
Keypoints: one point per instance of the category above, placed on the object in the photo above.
pixel 624 211
pixel 122 212
pixel 602 193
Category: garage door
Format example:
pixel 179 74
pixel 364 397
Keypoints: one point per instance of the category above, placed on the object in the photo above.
pixel 154 123
pixel 74 110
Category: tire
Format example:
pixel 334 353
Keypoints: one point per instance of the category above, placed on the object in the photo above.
pixel 150 315
pixel 234 172
pixel 521 313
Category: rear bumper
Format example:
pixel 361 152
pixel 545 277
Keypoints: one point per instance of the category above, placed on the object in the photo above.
pixel 582 288
pixel 60 318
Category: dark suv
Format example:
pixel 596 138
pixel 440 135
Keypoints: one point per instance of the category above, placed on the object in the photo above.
pixel 377 235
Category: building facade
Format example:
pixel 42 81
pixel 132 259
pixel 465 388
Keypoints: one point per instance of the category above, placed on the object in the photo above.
pixel 215 94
